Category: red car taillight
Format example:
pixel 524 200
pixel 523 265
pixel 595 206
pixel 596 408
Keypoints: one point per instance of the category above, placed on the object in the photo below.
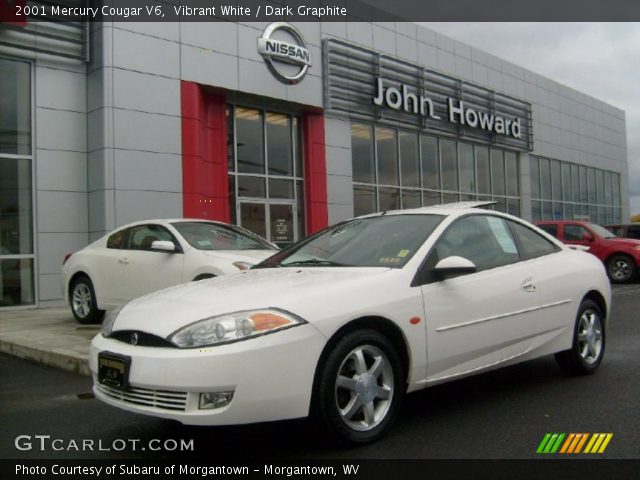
pixel 66 257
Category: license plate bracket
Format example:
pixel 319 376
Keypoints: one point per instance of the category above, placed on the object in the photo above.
pixel 113 369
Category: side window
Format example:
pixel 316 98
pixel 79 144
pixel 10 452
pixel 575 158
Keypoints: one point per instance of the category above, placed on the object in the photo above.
pixel 633 231
pixel 483 239
pixel 117 240
pixel 532 244
pixel 617 231
pixel 574 233
pixel 143 236
pixel 550 228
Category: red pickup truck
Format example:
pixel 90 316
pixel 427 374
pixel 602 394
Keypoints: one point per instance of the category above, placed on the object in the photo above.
pixel 621 256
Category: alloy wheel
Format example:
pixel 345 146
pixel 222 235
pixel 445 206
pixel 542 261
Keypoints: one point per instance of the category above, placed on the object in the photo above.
pixel 590 336
pixel 620 270
pixel 364 388
pixel 81 300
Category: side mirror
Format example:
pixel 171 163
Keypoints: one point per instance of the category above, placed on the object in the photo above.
pixel 163 246
pixel 587 237
pixel 454 266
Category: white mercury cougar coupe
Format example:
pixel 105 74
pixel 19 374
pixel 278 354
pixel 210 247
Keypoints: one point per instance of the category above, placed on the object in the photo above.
pixel 344 323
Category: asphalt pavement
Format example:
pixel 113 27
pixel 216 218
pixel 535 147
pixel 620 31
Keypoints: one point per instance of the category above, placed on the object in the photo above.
pixel 500 414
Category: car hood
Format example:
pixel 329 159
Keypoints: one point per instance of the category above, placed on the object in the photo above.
pixel 250 256
pixel 298 290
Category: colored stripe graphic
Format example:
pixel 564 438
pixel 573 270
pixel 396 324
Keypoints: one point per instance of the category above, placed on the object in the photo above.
pixel 550 443
pixel 573 443
pixel 598 442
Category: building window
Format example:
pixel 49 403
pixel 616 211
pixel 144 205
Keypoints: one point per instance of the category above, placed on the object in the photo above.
pixel 399 169
pixel 17 286
pixel 265 173
pixel 562 190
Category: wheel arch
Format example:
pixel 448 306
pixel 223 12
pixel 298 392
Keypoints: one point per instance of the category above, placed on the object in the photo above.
pixel 614 253
pixel 598 298
pixel 203 276
pixel 380 324
pixel 74 277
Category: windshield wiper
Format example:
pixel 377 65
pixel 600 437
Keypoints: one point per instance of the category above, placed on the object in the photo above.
pixel 313 261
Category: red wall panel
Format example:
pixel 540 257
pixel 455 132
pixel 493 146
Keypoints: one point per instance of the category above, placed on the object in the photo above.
pixel 315 172
pixel 205 186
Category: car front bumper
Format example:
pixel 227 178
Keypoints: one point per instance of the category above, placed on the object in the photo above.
pixel 271 378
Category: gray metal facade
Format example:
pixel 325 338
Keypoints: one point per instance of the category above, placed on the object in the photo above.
pixel 107 133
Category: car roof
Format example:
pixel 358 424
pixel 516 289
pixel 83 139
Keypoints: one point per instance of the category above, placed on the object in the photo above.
pixel 171 220
pixel 455 209
pixel 558 222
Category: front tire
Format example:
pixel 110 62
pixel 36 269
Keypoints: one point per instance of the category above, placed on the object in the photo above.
pixel 83 301
pixel 587 350
pixel 621 268
pixel 359 388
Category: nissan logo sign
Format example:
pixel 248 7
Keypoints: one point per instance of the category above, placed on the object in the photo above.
pixel 289 62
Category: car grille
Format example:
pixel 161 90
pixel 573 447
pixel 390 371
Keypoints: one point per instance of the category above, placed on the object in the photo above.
pixel 163 399
pixel 142 339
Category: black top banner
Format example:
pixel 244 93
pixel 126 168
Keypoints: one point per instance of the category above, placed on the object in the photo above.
pixel 17 11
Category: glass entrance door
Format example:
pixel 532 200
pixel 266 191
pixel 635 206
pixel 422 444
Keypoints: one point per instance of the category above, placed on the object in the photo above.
pixel 266 173
pixel 275 221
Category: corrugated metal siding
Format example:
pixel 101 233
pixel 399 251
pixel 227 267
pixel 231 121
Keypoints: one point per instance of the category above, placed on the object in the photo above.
pixel 350 75
pixel 48 35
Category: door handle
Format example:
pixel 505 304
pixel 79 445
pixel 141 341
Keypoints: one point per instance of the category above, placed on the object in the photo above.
pixel 528 285
pixel 124 260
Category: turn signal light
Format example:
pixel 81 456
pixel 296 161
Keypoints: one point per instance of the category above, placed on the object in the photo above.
pixel 268 321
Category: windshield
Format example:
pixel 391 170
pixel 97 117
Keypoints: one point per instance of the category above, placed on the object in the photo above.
pixel 381 241
pixel 212 236
pixel 603 232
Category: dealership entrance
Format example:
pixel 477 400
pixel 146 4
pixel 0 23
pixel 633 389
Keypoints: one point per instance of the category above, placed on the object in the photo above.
pixel 266 173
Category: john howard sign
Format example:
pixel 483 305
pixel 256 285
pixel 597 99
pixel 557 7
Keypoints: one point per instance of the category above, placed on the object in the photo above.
pixel 365 85
pixel 457 112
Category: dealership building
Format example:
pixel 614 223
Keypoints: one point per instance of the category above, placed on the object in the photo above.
pixel 281 128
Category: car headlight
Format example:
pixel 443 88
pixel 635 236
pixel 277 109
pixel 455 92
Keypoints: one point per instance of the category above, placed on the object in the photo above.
pixel 233 327
pixel 109 319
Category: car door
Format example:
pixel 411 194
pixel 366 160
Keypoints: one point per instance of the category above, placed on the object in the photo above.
pixel 105 269
pixel 143 270
pixel 479 319
pixel 576 234
pixel 551 283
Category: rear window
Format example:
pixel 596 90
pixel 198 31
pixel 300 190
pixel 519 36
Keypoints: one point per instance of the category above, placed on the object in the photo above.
pixel 116 240
pixel 532 244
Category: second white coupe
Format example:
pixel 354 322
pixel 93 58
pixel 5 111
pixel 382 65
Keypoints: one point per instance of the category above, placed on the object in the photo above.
pixel 143 257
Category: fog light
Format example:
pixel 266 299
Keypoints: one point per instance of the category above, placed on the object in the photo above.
pixel 211 400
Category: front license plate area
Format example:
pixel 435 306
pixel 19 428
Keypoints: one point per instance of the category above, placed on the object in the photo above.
pixel 113 369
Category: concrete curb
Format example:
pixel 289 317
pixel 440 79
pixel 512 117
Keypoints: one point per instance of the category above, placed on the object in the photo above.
pixel 64 361
pixel 48 336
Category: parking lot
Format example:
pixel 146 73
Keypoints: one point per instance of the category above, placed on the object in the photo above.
pixel 501 414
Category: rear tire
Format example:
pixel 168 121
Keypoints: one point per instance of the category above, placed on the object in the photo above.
pixel 82 298
pixel 621 268
pixel 587 350
pixel 359 388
